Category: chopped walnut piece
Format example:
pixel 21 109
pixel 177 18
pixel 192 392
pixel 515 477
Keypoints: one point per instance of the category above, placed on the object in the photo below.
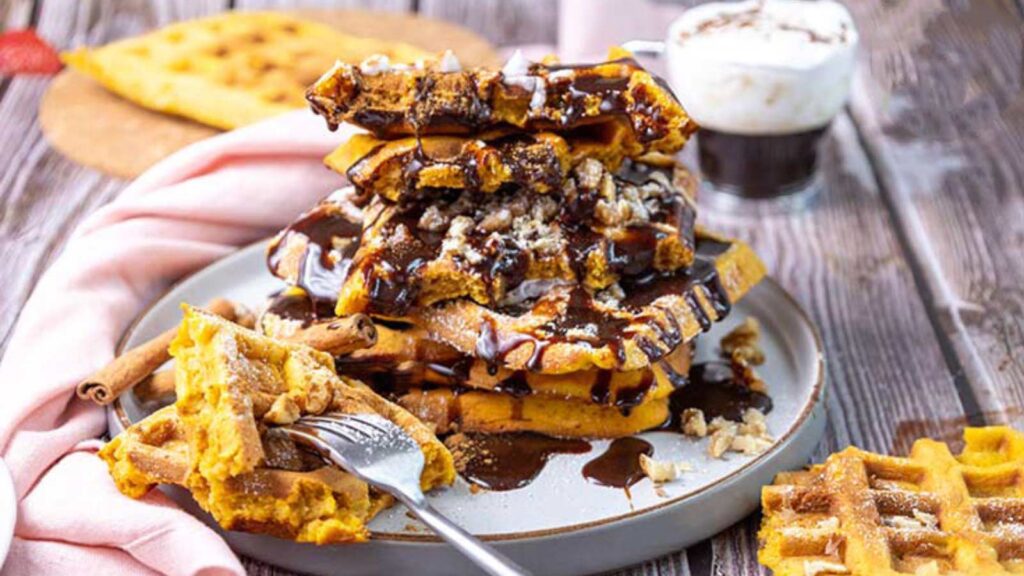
pixel 815 567
pixel 749 437
pixel 611 296
pixel 282 411
pixel 589 173
pixel 743 341
pixel 721 439
pixel 433 220
pixel 749 445
pixel 741 347
pixel 496 221
pixel 662 470
pixel 694 423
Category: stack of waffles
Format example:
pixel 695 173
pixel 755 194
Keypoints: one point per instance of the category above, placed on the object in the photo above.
pixel 522 238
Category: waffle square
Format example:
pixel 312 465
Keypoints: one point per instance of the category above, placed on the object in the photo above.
pixel 932 513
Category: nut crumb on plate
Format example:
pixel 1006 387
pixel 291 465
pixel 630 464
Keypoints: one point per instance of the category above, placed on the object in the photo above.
pixel 662 470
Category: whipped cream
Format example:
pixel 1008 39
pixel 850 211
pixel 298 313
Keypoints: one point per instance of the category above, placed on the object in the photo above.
pixel 763 67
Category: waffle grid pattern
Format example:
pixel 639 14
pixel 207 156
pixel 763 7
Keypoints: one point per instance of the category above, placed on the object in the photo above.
pixel 931 513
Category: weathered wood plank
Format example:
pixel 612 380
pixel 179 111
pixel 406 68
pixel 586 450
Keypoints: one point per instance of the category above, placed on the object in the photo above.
pixel 941 108
pixel 842 260
pixel 503 22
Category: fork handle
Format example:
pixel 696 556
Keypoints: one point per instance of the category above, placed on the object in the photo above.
pixel 486 557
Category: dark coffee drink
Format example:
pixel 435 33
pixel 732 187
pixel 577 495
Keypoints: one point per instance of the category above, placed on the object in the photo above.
pixel 759 166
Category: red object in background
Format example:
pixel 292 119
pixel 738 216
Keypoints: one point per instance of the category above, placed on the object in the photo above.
pixel 23 52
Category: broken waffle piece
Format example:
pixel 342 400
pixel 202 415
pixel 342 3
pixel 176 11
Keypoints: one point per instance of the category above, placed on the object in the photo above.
pixel 931 513
pixel 494 249
pixel 398 169
pixel 393 100
pixel 569 328
pixel 494 413
pixel 227 70
pixel 233 386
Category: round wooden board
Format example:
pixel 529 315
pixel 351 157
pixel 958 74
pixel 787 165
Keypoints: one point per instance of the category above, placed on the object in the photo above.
pixel 98 129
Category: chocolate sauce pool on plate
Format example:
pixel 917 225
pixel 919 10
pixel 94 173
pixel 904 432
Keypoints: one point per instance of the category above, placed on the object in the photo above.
pixel 510 461
pixel 712 387
pixel 619 465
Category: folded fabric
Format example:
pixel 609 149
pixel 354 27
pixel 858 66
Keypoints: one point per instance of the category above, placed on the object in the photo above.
pixel 189 210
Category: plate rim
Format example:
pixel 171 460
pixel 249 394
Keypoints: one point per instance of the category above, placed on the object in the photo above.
pixel 815 396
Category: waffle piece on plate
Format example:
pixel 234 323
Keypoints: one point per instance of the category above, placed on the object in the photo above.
pixel 932 513
pixel 227 70
pixel 494 249
pixel 625 327
pixel 494 413
pixel 293 494
pixel 441 98
pixel 233 386
pixel 588 404
pixel 539 162
pixel 405 357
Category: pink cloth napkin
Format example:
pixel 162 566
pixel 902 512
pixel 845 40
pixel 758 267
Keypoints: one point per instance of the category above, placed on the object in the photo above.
pixel 191 209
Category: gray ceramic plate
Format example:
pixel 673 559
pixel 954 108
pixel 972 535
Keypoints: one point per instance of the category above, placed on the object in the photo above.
pixel 560 523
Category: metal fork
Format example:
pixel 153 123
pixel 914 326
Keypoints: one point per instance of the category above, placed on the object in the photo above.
pixel 380 453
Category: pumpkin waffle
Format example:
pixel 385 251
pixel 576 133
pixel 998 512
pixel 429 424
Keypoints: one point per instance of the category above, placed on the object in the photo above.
pixel 228 70
pixel 626 327
pixel 495 413
pixel 931 513
pixel 405 357
pixel 233 386
pixel 440 98
pixel 396 169
pixel 494 249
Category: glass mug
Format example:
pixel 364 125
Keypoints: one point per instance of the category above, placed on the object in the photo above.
pixel 764 105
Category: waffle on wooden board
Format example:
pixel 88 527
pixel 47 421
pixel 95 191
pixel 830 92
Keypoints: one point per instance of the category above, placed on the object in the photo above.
pixel 227 70
pixel 931 513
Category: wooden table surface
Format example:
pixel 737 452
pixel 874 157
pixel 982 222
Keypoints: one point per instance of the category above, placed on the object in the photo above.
pixel 912 262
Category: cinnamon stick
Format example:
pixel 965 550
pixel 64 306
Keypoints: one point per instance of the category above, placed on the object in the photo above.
pixel 156 388
pixel 339 336
pixel 136 364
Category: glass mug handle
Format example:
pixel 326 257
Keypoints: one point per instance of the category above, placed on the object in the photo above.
pixel 652 48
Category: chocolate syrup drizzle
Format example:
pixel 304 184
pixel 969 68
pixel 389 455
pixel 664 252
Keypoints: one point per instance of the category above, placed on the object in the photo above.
pixel 460 103
pixel 529 168
pixel 582 320
pixel 320 272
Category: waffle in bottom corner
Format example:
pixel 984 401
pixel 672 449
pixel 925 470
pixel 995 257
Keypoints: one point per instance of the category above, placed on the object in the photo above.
pixel 931 513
